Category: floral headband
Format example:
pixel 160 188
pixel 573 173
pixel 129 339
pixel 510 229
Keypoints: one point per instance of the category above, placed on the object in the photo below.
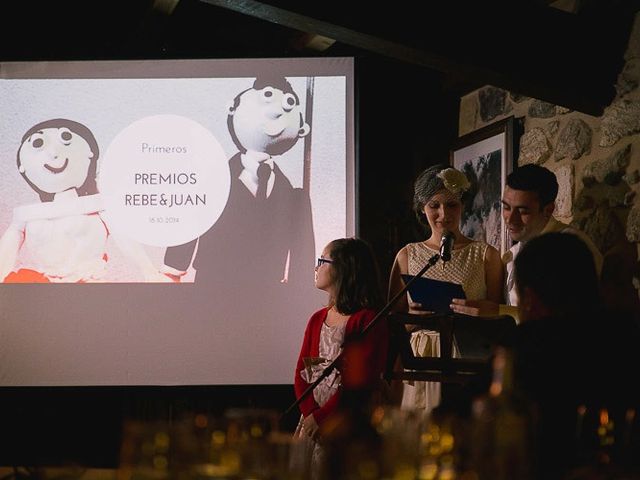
pixel 454 180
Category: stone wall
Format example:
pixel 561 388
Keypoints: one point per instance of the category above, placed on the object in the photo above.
pixel 596 159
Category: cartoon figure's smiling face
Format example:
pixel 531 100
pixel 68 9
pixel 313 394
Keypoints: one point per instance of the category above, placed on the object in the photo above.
pixel 268 120
pixel 55 159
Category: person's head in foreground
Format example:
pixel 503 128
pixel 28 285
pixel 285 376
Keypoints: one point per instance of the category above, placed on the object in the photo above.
pixel 555 277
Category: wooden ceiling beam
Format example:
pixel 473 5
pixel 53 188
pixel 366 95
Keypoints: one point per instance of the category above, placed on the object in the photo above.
pixel 567 59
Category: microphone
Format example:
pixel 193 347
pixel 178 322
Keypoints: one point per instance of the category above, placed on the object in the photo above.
pixel 446 245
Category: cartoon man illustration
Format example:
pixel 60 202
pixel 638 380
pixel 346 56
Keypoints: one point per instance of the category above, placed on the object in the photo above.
pixel 63 238
pixel 264 238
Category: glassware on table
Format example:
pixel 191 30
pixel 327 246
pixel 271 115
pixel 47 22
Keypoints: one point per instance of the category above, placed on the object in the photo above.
pixel 241 444
pixel 145 451
pixel 400 432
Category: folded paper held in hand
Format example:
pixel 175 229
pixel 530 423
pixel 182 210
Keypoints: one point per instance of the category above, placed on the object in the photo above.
pixel 433 295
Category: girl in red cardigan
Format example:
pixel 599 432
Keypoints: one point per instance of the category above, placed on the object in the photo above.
pixel 348 272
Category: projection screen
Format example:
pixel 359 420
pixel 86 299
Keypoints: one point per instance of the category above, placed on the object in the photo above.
pixel 160 220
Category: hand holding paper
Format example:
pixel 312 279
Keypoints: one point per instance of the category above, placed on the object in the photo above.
pixel 433 295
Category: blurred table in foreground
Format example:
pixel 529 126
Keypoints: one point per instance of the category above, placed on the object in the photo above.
pixel 57 473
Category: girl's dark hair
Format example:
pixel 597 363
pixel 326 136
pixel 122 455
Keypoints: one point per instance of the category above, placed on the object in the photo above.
pixel 559 267
pixel 89 186
pixel 355 275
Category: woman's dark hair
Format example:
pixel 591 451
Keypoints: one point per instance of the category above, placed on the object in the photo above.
pixel 560 269
pixel 426 186
pixel 89 186
pixel 355 275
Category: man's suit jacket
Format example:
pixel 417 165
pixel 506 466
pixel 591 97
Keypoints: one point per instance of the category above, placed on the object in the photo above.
pixel 248 246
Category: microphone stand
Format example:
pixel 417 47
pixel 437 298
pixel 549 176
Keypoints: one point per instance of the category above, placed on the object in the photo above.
pixel 329 368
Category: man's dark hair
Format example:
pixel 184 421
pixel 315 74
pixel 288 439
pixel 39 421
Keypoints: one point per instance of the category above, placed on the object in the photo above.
pixel 559 268
pixel 355 274
pixel 534 178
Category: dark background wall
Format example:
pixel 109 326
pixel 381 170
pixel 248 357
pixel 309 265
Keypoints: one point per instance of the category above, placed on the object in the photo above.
pixel 406 121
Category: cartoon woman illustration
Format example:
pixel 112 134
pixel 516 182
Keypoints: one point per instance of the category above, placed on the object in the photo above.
pixel 63 238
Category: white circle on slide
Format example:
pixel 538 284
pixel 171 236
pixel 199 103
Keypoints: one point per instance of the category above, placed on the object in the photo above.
pixel 164 180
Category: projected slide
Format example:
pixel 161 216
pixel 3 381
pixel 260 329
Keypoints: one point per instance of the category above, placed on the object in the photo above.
pixel 208 186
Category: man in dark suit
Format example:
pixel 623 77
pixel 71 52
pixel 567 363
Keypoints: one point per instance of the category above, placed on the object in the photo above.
pixel 263 243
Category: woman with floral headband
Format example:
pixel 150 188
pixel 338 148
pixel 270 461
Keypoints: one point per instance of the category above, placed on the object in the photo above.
pixel 437 201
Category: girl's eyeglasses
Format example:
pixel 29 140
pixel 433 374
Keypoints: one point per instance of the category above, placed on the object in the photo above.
pixel 323 260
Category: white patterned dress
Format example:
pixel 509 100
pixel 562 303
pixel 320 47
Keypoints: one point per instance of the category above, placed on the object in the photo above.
pixel 309 458
pixel 466 267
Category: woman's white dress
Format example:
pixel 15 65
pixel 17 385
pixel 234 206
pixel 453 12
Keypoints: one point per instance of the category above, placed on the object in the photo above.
pixel 466 267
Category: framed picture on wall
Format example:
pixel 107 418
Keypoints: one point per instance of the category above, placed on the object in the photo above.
pixel 486 156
